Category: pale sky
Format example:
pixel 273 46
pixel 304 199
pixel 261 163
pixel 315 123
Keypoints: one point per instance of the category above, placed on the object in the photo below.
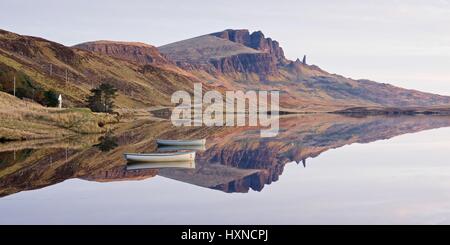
pixel 405 43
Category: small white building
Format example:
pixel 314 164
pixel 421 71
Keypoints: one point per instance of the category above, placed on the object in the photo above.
pixel 60 101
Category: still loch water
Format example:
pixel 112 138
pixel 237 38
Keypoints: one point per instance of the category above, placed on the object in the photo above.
pixel 320 169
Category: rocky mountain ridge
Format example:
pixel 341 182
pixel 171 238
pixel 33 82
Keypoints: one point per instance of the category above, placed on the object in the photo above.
pixel 140 53
pixel 255 40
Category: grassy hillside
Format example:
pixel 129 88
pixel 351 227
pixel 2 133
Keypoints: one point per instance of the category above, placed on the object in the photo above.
pixel 20 119
pixel 73 72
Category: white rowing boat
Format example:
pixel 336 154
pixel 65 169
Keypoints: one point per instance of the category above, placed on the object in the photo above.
pixel 181 142
pixel 160 165
pixel 160 157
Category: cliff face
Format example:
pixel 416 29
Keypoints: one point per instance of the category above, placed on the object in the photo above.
pixel 139 53
pixel 120 174
pixel 255 181
pixel 228 52
pixel 255 40
pixel 259 63
pixel 263 64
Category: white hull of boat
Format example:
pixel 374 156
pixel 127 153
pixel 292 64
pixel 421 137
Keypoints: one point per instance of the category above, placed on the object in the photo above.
pixel 160 157
pixel 159 165
pixel 181 142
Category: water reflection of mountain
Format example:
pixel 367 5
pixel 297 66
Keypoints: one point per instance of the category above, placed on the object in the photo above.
pixel 258 161
pixel 236 159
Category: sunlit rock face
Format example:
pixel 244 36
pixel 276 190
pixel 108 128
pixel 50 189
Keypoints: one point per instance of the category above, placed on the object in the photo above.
pixel 139 53
pixel 228 52
pixel 121 174
pixel 255 40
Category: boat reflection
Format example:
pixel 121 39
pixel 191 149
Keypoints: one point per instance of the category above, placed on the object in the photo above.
pixel 161 165
pixel 236 159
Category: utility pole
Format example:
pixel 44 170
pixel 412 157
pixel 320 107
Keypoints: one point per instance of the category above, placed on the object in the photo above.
pixel 51 69
pixel 14 86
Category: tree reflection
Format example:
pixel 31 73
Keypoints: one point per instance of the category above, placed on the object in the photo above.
pixel 107 142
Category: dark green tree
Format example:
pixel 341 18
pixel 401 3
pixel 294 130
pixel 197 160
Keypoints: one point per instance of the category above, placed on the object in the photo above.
pixel 107 142
pixel 109 94
pixel 51 98
pixel 95 100
pixel 102 98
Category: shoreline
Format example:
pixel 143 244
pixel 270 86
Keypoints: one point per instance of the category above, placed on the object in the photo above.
pixel 53 129
pixel 392 111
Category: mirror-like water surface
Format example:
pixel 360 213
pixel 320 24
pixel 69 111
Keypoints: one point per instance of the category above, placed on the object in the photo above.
pixel 320 169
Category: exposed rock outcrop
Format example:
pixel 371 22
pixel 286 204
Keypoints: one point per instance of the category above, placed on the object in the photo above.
pixel 224 53
pixel 259 42
pixel 255 182
pixel 261 64
pixel 139 53
pixel 121 174
pixel 238 36
pixel 256 40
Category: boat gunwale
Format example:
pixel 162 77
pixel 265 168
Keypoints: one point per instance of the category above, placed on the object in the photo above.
pixel 194 142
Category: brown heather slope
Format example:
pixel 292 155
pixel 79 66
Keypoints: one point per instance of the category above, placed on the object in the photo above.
pixel 44 64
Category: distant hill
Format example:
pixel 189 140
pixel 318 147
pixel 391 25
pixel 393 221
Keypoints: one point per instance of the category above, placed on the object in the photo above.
pixel 228 60
pixel 257 62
